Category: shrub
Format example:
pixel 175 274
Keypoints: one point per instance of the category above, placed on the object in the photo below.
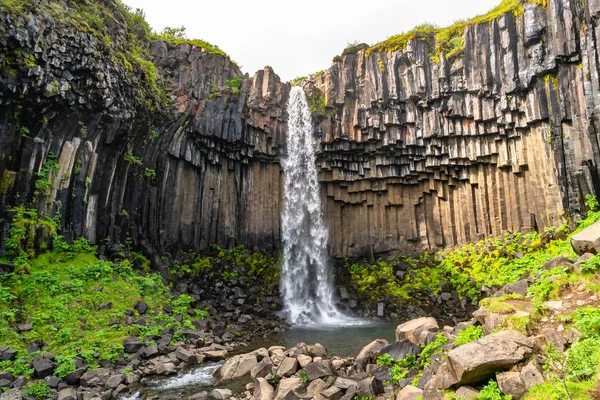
pixel 37 390
pixel 468 335
pixel 492 392
pixel 235 85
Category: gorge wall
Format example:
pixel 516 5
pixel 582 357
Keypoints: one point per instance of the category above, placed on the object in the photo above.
pixel 413 153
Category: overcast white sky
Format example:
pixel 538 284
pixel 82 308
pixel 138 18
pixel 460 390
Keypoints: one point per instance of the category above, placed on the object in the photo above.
pixel 300 38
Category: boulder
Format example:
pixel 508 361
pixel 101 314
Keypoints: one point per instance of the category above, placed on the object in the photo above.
pixel 74 377
pixel 288 367
pixel 114 381
pixel 588 240
pixel 151 351
pixel 97 377
pixel 221 394
pixel 531 375
pixel 510 383
pixel 132 346
pixel 262 369
pixel 332 393
pixel 519 287
pixel 263 390
pixel 237 366
pixel 42 368
pixel 141 307
pixel 186 356
pixel 399 350
pixel 369 387
pixel 12 394
pixel 560 261
pixel 318 369
pixel 67 394
pixel 555 338
pixel 315 387
pixel 166 369
pixel 369 352
pixel 409 393
pixel 479 360
pixel 287 387
pixel 413 330
pixel 316 350
pixel 8 355
pixel 345 383
pixel 304 360
pixel 466 393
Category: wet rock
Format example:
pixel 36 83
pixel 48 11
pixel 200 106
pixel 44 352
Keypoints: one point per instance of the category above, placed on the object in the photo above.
pixel 416 330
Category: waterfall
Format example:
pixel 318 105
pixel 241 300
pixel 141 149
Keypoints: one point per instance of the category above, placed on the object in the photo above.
pixel 306 283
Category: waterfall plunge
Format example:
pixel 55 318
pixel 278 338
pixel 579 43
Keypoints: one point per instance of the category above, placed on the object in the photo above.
pixel 306 284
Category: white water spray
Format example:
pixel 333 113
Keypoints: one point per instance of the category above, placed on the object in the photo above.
pixel 306 283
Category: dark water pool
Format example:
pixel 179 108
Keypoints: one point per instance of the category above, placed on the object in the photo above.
pixel 343 341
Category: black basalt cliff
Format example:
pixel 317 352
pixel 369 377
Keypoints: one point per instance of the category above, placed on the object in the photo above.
pixel 155 143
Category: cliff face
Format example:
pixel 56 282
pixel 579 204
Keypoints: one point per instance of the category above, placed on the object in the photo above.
pixel 413 154
pixel 504 138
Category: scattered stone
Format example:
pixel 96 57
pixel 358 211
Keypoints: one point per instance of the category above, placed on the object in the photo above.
pixel 141 307
pixel 287 387
pixel 288 367
pixel 264 368
pixel 131 346
pixel 74 377
pixel 221 394
pixel 519 287
pixel 399 350
pixel 555 338
pixel 237 366
pixel 318 369
pixel 42 368
pixel 369 352
pixel 12 394
pixel 24 328
pixel 166 369
pixel 114 381
pixel 186 356
pixel 466 393
pixel 316 350
pixel 369 387
pixel 560 261
pixel 409 393
pixel 510 383
pixel 152 351
pixel 67 394
pixel 97 377
pixel 531 375
pixel 263 390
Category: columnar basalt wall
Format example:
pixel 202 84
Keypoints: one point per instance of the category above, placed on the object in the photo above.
pixel 412 154
pixel 420 154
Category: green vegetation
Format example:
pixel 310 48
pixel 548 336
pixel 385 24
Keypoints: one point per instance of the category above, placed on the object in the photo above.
pixel 448 41
pixel 492 392
pixel 178 36
pixel 468 335
pixel 43 183
pixel 235 85
pixel 37 390
pixel 131 159
pixel 301 79
pixel 150 173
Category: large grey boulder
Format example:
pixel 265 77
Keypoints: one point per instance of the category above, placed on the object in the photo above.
pixel 588 240
pixel 237 366
pixel 531 375
pixel 368 352
pixel 466 393
pixel 416 330
pixel 288 367
pixel 399 350
pixel 67 394
pixel 264 368
pixel 479 360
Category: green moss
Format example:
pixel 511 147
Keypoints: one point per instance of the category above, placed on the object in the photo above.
pixel 497 305
pixel 235 85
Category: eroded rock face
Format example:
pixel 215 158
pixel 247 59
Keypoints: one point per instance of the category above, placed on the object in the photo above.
pixel 412 153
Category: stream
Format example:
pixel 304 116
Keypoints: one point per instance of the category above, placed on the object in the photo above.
pixel 343 341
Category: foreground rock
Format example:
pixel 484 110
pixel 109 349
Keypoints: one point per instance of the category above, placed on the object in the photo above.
pixel 417 331
pixel 479 360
